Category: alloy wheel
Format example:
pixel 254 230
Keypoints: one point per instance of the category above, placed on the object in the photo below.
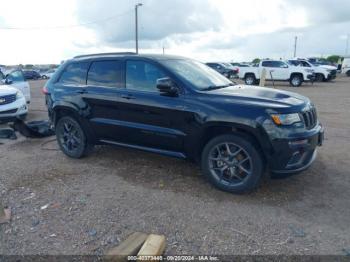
pixel 70 138
pixel 230 164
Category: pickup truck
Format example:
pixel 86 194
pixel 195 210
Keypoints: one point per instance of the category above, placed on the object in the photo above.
pixel 278 71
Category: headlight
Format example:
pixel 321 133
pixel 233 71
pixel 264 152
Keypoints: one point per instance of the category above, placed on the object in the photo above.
pixel 19 95
pixel 309 70
pixel 329 70
pixel 285 119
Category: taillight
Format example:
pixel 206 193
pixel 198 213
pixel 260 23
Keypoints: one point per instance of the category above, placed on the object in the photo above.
pixel 44 90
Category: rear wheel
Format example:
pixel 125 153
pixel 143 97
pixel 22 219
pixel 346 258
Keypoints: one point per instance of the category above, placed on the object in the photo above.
pixel 250 79
pixel 71 137
pixel 231 163
pixel 296 80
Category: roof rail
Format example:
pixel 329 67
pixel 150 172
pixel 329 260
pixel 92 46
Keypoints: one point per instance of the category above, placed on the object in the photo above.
pixel 100 54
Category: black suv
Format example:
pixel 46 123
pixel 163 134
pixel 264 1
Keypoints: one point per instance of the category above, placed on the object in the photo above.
pixel 182 108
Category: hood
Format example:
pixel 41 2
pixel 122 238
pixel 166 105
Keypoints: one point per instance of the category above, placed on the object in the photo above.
pixel 261 96
pixel 328 67
pixel 7 90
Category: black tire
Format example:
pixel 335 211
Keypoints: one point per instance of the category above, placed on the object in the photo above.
pixel 348 73
pixel 319 78
pixel 296 80
pixel 249 79
pixel 71 138
pixel 44 77
pixel 233 179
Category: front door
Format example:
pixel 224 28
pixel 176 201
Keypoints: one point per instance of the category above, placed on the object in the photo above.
pixel 153 120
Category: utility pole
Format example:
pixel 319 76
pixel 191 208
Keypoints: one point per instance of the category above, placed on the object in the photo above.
pixel 136 28
pixel 295 46
pixel 163 50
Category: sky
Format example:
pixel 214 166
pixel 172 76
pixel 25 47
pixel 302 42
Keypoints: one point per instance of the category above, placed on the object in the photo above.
pixel 49 31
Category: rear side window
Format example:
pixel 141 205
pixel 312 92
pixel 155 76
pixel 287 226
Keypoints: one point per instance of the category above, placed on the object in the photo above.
pixel 266 64
pixel 75 73
pixel 105 73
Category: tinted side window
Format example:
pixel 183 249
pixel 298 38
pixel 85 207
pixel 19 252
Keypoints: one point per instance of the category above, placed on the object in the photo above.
pixel 142 75
pixel 305 64
pixel 277 64
pixel 16 76
pixel 75 74
pixel 294 63
pixel 105 73
pixel 266 64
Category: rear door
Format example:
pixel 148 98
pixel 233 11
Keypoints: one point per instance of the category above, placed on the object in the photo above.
pixel 104 91
pixel 276 70
pixel 71 84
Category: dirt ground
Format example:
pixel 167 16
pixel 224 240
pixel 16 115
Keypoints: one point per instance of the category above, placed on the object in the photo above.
pixel 65 206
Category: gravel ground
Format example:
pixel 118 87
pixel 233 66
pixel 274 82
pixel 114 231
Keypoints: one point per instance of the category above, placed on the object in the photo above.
pixel 65 206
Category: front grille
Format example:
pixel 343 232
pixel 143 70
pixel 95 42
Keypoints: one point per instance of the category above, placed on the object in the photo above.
pixel 4 100
pixel 309 118
pixel 333 72
pixel 12 111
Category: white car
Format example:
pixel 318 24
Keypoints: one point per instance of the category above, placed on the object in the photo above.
pixel 13 104
pixel 16 79
pixel 276 70
pixel 48 74
pixel 346 66
pixel 322 73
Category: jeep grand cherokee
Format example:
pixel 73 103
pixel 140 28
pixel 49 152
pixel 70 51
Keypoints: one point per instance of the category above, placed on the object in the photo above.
pixel 179 107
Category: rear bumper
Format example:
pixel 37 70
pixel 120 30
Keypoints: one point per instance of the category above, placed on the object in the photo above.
pixel 297 154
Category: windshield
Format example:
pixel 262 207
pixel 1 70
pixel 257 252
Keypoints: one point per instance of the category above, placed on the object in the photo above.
pixel 198 74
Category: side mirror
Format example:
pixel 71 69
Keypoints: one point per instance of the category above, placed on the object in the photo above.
pixel 166 86
pixel 8 81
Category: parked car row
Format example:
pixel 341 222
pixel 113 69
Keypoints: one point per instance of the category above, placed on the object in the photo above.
pixel 277 70
pixel 225 69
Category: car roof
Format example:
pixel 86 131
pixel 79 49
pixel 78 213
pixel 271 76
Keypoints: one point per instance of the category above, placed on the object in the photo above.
pixel 126 55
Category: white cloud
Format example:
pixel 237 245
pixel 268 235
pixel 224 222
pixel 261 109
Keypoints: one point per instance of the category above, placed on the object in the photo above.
pixel 202 29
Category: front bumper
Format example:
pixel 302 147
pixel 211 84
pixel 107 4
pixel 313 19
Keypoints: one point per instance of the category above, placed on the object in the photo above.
pixel 10 112
pixel 297 154
pixel 331 76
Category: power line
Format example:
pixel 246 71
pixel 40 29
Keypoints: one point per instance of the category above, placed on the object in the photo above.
pixel 68 26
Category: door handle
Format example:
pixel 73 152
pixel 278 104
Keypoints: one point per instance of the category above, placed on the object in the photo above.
pixel 82 92
pixel 127 96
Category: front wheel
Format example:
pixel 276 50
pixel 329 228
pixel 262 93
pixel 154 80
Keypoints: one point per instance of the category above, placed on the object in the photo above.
pixel 348 73
pixel 231 163
pixel 250 80
pixel 296 80
pixel 320 78
pixel 71 137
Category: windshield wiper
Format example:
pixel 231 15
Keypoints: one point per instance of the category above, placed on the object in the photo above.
pixel 216 87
